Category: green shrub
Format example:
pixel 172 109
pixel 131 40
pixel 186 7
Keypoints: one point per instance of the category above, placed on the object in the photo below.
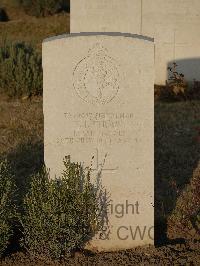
pixel 40 8
pixel 20 70
pixel 6 206
pixel 61 215
pixel 184 222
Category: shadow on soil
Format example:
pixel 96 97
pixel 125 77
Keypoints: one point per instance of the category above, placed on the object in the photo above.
pixel 176 157
pixel 26 160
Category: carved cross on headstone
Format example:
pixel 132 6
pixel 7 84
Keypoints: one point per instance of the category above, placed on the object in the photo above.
pixel 99 166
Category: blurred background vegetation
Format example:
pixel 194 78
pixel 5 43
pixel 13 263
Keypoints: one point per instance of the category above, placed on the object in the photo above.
pixel 24 24
pixel 32 21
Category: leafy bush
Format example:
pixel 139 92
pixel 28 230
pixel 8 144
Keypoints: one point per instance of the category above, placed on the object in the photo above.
pixel 3 15
pixel 185 219
pixel 6 206
pixel 44 7
pixel 61 215
pixel 20 70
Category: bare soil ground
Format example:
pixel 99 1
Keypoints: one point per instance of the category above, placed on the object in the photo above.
pixel 20 121
pixel 177 254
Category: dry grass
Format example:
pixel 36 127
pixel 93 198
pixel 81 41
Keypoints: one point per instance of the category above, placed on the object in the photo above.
pixel 22 27
pixel 20 122
pixel 12 9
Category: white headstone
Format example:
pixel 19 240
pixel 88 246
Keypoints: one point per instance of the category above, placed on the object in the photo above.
pixel 105 16
pixel 98 100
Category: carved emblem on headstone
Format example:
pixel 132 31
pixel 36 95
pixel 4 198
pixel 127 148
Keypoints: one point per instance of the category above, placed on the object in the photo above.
pixel 96 77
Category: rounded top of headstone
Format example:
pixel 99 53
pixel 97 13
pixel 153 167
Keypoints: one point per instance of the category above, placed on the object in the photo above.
pixel 111 34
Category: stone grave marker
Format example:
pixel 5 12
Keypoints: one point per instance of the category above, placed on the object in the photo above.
pixel 99 102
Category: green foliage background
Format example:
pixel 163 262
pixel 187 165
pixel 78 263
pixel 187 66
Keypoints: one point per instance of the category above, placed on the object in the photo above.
pixel 20 70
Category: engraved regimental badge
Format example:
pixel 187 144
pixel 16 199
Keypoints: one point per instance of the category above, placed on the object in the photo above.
pixel 96 77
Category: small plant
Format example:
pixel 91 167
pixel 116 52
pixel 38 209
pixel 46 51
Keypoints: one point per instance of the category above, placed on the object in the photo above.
pixel 41 8
pixel 20 70
pixel 176 88
pixel 176 84
pixel 6 205
pixel 61 215
pixel 185 219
